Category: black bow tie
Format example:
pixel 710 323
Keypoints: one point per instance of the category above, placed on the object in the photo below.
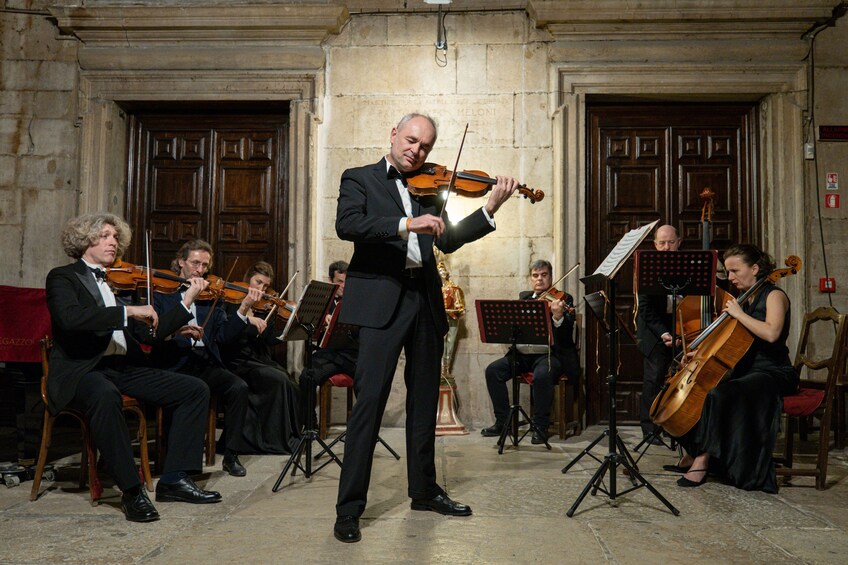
pixel 396 174
pixel 99 273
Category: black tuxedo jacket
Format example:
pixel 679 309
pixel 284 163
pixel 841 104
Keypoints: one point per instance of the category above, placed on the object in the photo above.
pixel 652 321
pixel 564 334
pixel 83 326
pixel 220 329
pixel 368 213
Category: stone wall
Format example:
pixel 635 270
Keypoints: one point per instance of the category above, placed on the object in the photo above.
pixel 39 143
pixel 831 108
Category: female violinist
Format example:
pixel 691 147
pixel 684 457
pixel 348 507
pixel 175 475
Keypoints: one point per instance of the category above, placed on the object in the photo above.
pixel 270 424
pixel 738 426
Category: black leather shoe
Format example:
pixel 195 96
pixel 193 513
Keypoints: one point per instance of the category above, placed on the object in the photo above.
pixel 492 431
pixel 185 491
pixel 686 483
pixel 233 466
pixel 442 504
pixel 347 529
pixel 138 508
pixel 539 437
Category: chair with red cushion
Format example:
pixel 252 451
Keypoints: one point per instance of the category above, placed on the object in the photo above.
pixel 815 394
pixel 88 460
pixel 325 400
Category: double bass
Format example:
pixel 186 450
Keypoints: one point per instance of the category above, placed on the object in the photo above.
pixel 677 408
pixel 694 313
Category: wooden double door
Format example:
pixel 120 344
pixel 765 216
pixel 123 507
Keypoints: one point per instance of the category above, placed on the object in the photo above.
pixel 212 175
pixel 648 163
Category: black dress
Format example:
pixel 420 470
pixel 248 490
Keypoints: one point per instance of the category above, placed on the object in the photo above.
pixel 741 416
pixel 271 424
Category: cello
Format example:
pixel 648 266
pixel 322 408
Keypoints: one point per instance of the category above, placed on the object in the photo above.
pixel 694 313
pixel 677 408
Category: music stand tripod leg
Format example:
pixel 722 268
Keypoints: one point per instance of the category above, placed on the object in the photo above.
pixel 308 435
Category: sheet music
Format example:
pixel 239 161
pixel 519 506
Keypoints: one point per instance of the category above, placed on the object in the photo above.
pixel 623 250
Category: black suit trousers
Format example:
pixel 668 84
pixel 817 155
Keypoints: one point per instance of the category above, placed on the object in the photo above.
pixel 412 329
pixel 655 367
pixel 98 395
pixel 232 389
pixel 545 376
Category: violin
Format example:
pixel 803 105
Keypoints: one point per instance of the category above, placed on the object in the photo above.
pixel 431 179
pixel 678 406
pixel 281 307
pixel 552 294
pixel 127 276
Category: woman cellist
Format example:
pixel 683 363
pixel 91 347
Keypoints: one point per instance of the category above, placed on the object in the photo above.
pixel 736 433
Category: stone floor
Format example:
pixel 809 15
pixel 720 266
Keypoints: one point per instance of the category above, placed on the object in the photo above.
pixel 519 500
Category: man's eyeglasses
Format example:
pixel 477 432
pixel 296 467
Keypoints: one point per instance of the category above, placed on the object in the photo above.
pixel 664 243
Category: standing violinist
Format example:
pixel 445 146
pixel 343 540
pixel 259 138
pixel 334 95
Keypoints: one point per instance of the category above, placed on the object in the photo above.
pixel 96 358
pixel 737 431
pixel 195 349
pixel 546 363
pixel 393 292
pixel 654 327
pixel 327 362
pixel 271 423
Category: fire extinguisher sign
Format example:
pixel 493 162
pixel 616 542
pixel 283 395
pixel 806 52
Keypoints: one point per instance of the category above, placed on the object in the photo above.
pixel 831 201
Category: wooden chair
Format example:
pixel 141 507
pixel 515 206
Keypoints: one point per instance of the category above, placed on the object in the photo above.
pixel 88 460
pixel 569 400
pixel 814 394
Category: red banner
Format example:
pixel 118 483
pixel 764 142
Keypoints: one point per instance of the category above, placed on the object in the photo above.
pixel 24 321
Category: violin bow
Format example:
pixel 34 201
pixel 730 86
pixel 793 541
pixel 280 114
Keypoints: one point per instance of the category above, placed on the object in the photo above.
pixel 147 237
pixel 217 296
pixel 452 182
pixel 281 295
pixel 571 270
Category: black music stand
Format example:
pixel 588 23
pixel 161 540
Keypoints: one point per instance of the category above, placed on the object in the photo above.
pixel 339 335
pixel 303 325
pixel 670 272
pixel 527 322
pixel 617 453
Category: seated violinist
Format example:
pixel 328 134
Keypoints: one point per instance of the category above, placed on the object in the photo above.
pixel 195 349
pixel 271 423
pixel 738 427
pixel 328 362
pixel 546 364
pixel 96 358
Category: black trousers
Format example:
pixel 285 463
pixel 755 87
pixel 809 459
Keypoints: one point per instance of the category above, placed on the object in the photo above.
pixel 412 330
pixel 98 395
pixel 655 369
pixel 231 388
pixel 498 373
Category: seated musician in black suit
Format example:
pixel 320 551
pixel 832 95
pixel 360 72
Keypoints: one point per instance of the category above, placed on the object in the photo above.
pixel 195 349
pixel 271 424
pixel 546 364
pixel 654 326
pixel 96 358
pixel 328 362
